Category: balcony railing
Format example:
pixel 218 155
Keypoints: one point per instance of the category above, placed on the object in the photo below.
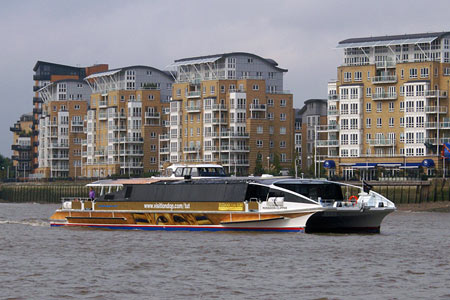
pixel 164 137
pixel 327 143
pixel 131 165
pixel 385 64
pixel 381 142
pixel 192 109
pixel 152 115
pixel 384 96
pixel 194 94
pixel 191 149
pixel 436 109
pixel 237 162
pixel 333 97
pixel 384 79
pixel 327 128
pixel 260 107
pixel 435 93
pixel 219 107
pixel 333 112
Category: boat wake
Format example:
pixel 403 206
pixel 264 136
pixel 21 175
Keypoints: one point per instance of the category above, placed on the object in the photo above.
pixel 29 222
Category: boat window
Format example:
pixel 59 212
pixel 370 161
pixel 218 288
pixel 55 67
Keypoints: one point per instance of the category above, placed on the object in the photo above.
pixel 194 172
pixel 128 191
pixel 256 192
pixel 179 172
pixel 186 171
pixel 326 191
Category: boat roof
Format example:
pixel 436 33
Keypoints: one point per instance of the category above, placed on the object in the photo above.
pixel 174 166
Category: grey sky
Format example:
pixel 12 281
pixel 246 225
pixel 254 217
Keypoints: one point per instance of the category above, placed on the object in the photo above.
pixel 299 35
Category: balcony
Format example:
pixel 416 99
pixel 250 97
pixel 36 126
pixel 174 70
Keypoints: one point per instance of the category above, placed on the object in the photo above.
pixel 59 146
pixel 191 149
pixel 193 109
pixel 17 147
pixel 118 128
pixel 435 109
pixel 37 100
pixel 164 137
pixel 333 97
pixel 430 125
pixel 219 107
pixel 194 94
pixel 131 165
pixel 103 104
pixel 15 128
pixel 384 79
pixel 257 107
pixel 131 152
pixel 435 94
pixel 328 128
pixel 237 162
pixel 235 148
pixel 327 143
pixel 385 64
pixel 36 88
pixel 381 142
pixel 333 112
pixel 103 116
pixel 41 77
pixel 152 115
pixel 59 157
pixel 20 158
pixel 384 96
pixel 131 140
pixel 219 121
pixel 117 116
pixel 164 150
pixel 77 123
pixel 37 111
pixel 442 140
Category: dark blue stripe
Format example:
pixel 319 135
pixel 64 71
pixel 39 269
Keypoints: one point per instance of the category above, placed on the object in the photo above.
pixel 183 228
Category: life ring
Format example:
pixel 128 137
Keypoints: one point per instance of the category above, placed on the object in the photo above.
pixel 353 197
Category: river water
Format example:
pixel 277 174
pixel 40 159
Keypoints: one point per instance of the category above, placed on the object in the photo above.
pixel 410 259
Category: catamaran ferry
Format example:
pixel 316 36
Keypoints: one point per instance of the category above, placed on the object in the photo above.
pixel 221 204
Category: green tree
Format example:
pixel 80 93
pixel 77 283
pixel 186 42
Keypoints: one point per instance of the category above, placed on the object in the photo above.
pixel 276 167
pixel 5 162
pixel 259 170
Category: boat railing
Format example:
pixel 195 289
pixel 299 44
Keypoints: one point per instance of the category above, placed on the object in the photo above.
pixel 77 203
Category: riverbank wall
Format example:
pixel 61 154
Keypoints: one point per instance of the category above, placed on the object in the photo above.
pixel 412 192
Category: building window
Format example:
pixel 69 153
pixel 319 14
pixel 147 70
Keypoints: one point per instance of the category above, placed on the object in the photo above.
pixel 424 73
pixel 358 76
pixel 347 76
pixel 259 143
pixel 282 144
pixel 270 102
pixel 391 122
pixel 412 73
pixel 379 107
pixel 282 103
pixel 270 116
pixel 368 92
pixel 391 106
pixel 379 124
pixel 282 130
pixel 222 89
pixel 255 87
pixel 259 129
pixel 282 117
pixel 368 107
pixel 213 90
pixel 368 123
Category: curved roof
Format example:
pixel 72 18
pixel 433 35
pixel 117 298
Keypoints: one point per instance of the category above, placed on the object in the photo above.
pixel 117 70
pixel 214 57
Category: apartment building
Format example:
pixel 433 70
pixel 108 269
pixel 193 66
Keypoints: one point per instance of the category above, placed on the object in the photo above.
pixel 230 109
pixel 309 120
pixel 127 116
pixel 61 128
pixel 21 146
pixel 46 73
pixel 388 111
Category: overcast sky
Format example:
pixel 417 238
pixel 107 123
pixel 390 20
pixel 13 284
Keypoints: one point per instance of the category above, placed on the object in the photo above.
pixel 299 35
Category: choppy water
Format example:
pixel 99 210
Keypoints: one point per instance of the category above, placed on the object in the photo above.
pixel 410 259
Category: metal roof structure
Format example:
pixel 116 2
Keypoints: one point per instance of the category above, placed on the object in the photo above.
pixel 391 40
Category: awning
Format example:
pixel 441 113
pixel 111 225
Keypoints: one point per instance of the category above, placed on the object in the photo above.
pixel 195 61
pixel 411 166
pixel 329 164
pixel 428 163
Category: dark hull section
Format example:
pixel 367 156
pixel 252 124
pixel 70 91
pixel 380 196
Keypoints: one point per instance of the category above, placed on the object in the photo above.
pixel 347 221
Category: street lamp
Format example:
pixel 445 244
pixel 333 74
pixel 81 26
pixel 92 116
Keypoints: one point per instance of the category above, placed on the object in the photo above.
pixel 268 163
